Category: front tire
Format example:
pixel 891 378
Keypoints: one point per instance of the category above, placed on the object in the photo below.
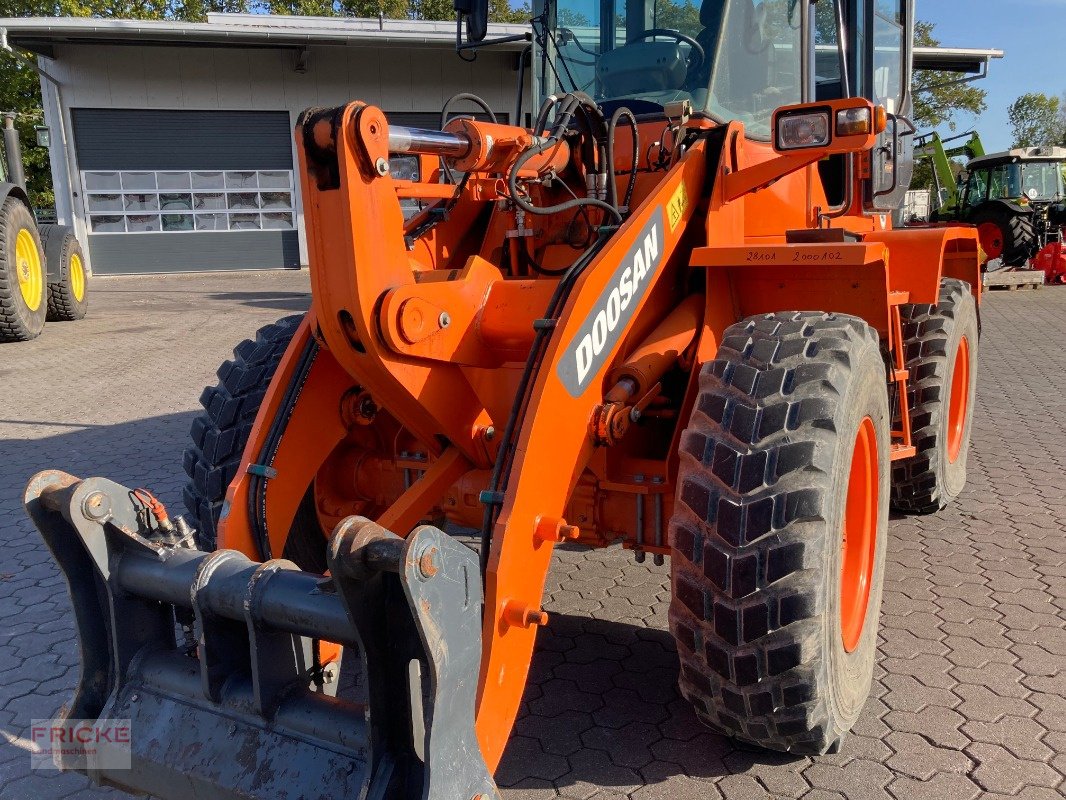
pixel 23 305
pixel 785 458
pixel 219 436
pixel 940 342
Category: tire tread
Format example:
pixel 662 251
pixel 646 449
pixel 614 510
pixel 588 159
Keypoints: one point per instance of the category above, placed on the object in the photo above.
pixel 748 531
pixel 221 431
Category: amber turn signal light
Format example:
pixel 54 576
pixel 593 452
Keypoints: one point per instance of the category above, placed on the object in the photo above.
pixel 854 122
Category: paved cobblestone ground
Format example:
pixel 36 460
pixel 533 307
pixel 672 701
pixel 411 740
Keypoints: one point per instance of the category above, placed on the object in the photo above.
pixel 969 695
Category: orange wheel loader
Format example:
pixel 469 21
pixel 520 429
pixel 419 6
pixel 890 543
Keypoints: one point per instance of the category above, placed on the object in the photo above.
pixel 672 315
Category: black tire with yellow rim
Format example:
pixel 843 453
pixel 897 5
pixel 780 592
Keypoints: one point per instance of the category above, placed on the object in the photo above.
pixel 23 288
pixel 68 297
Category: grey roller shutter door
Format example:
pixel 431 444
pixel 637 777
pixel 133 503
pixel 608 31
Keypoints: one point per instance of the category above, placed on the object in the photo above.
pixel 131 139
pixel 110 140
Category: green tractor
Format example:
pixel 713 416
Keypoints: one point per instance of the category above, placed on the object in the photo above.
pixel 1015 198
pixel 42 268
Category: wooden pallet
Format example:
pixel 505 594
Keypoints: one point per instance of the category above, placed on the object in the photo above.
pixel 1013 280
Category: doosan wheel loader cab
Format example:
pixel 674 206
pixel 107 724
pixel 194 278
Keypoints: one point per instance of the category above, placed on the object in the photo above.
pixel 42 270
pixel 740 60
pixel 671 314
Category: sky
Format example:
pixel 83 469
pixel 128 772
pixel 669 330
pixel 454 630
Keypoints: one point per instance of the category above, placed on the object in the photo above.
pixel 1030 32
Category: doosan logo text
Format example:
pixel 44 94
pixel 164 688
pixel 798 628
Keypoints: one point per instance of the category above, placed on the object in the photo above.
pixel 613 309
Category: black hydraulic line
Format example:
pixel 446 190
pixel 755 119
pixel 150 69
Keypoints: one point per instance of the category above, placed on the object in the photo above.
pixel 257 484
pixel 501 469
pixel 512 185
pixel 612 127
pixel 456 98
pixel 542 115
pixel 471 98
pixel 570 105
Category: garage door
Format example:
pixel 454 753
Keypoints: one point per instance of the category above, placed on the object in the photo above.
pixel 178 191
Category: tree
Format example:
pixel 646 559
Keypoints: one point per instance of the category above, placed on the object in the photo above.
pixel 935 103
pixel 1035 119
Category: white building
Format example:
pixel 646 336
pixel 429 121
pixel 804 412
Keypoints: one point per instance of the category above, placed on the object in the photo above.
pixel 172 143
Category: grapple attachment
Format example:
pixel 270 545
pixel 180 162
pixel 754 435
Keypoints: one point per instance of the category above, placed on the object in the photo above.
pixel 214 658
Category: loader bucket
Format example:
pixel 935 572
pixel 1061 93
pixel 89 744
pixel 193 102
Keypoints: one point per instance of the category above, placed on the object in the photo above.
pixel 213 658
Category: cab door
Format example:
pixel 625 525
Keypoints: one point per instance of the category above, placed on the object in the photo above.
pixel 888 50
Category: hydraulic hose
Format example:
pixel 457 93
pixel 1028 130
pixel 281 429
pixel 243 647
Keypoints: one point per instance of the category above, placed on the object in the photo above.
pixel 456 98
pixel 571 103
pixel 471 98
pixel 612 128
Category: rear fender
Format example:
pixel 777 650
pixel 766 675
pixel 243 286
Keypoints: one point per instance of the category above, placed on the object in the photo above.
pixel 7 188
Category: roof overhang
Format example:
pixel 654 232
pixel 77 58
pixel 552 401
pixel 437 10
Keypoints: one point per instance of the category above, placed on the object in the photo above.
pixel 41 34
pixel 965 61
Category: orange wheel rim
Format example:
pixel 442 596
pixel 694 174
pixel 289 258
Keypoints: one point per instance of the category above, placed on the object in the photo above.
pixel 991 239
pixel 959 402
pixel 860 536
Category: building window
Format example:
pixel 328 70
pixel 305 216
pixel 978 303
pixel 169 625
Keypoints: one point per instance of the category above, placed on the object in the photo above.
pixel 199 200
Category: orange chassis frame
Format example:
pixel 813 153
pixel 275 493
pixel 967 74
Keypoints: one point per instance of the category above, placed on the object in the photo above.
pixel 436 334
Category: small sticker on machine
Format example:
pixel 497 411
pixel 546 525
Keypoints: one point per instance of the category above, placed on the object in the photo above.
pixel 593 344
pixel 675 209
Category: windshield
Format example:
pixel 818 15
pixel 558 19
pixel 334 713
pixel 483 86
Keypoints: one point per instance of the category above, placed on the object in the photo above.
pixel 1039 180
pixel 734 59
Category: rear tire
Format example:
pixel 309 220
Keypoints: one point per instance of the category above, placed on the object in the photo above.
pixel 941 344
pixel 760 609
pixel 221 432
pixel 1005 234
pixel 68 294
pixel 23 304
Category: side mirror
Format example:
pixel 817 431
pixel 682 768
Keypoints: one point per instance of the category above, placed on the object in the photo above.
pixel 476 13
pixel 833 127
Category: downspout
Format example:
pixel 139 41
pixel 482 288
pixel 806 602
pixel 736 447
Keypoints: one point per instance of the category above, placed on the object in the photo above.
pixel 63 138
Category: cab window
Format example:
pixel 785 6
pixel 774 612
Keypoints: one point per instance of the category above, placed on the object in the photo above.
pixel 888 54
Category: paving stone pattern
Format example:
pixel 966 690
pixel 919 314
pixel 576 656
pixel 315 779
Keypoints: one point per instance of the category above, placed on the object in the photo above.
pixel 968 699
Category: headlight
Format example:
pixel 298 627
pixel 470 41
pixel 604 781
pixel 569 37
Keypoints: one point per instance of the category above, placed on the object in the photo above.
pixel 803 131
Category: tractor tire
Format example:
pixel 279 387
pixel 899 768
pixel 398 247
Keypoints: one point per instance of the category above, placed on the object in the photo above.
pixel 940 343
pixel 219 436
pixel 68 297
pixel 1006 234
pixel 779 533
pixel 23 304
